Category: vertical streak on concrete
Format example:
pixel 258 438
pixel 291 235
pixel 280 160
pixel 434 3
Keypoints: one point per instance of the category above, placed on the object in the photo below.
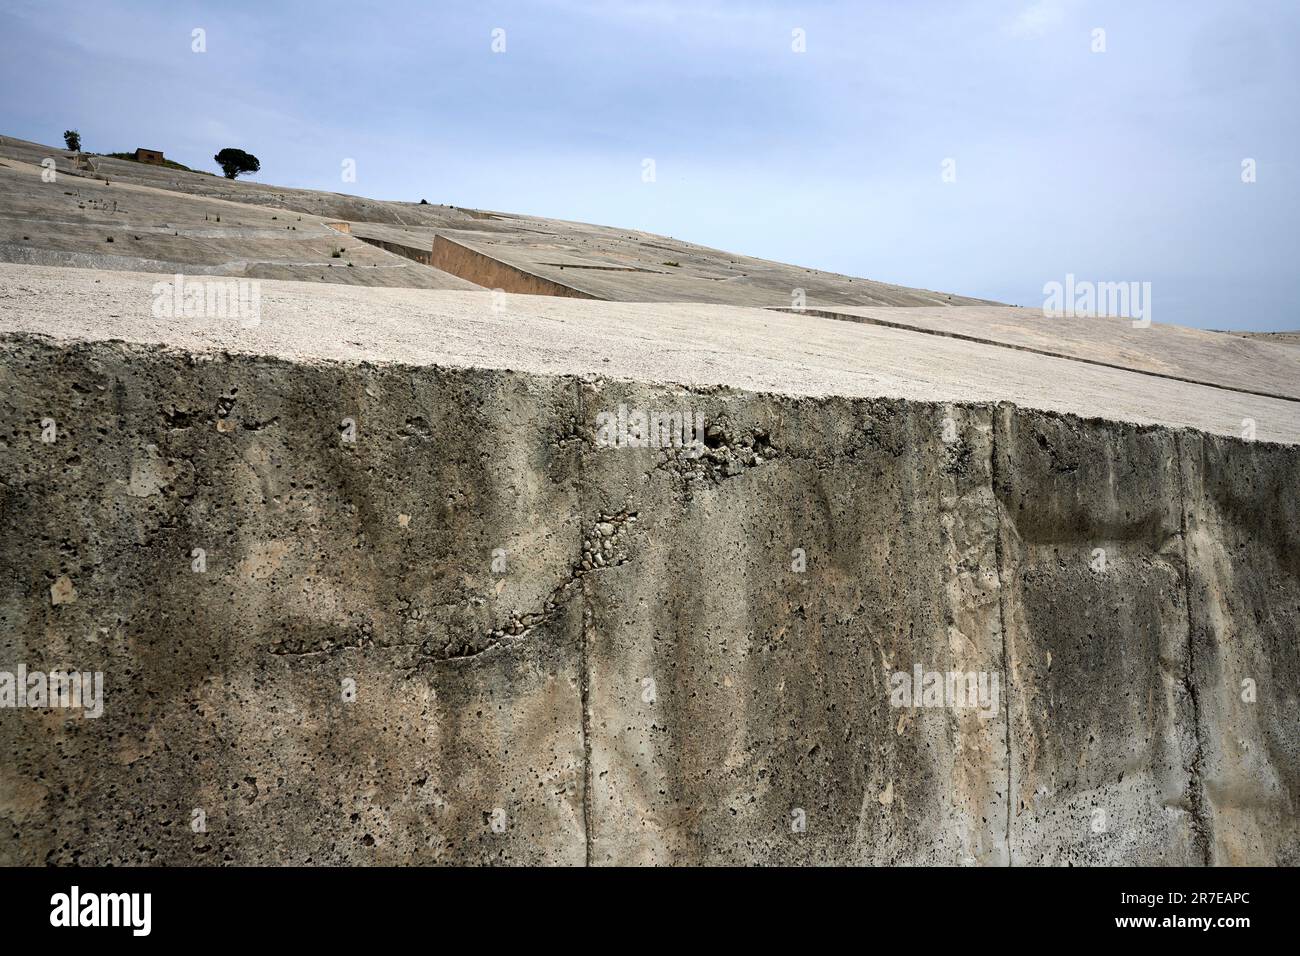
pixel 584 670
pixel 1002 607
pixel 1195 783
pixel 585 691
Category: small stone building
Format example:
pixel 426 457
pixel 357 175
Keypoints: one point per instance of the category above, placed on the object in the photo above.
pixel 153 156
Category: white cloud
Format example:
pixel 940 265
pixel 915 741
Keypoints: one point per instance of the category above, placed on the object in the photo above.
pixel 1039 18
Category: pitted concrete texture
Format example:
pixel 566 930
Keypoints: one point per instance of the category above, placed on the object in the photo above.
pixel 438 621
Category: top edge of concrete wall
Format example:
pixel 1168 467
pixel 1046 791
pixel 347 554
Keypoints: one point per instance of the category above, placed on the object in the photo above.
pixel 689 344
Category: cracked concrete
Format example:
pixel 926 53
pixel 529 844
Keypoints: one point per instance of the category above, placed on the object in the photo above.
pixel 681 660
pixel 365 587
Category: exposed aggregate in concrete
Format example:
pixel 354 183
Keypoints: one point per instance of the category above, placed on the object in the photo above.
pixel 648 679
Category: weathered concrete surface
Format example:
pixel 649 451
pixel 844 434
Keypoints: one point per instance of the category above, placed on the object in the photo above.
pixel 770 685
pixel 327 205
pixel 325 561
pixel 1243 544
pixel 690 695
pixel 1289 339
pixel 630 266
pixel 462 260
pixel 689 343
pixel 224 690
pixel 1152 597
pixel 600 262
pixel 1263 365
pixel 83 222
pixel 1104 735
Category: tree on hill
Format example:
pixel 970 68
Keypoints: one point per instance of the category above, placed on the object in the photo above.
pixel 73 140
pixel 235 161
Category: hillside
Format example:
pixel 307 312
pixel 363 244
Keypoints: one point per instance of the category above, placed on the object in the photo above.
pixel 167 220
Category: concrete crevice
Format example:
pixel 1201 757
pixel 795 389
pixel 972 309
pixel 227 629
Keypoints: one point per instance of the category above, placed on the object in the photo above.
pixel 995 427
pixel 584 656
pixel 1202 827
pixel 602 549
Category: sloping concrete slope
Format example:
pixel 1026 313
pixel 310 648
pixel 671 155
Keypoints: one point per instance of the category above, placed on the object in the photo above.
pixel 567 258
pixel 82 222
pixel 324 205
pixel 627 266
pixel 484 270
pixel 475 635
pixel 1263 365
pixel 692 344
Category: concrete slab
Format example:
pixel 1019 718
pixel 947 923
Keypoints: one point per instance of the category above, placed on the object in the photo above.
pixel 439 620
pixel 345 679
pixel 630 266
pixel 1258 365
pixel 692 344
pixel 352 678
pixel 599 262
pixel 83 222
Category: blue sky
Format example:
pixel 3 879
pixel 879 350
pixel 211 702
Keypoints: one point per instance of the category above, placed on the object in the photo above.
pixel 1122 165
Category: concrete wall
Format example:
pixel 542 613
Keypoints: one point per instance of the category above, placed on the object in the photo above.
pixel 423 256
pixel 481 269
pixel 686 697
